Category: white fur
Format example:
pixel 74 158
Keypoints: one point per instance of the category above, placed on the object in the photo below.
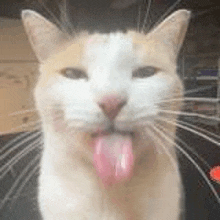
pixel 71 192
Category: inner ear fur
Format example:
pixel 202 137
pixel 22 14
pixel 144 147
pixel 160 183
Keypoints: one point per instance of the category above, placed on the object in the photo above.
pixel 172 30
pixel 44 36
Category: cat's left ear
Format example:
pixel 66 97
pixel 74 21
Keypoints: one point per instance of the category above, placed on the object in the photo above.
pixel 44 36
pixel 173 29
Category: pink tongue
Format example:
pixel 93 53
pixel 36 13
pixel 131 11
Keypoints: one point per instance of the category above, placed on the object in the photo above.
pixel 113 158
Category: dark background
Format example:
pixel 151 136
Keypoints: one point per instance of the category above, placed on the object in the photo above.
pixel 96 15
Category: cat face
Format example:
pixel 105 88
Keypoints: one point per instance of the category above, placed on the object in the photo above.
pixel 82 75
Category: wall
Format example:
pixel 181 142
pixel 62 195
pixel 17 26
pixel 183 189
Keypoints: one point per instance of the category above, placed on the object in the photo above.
pixel 18 74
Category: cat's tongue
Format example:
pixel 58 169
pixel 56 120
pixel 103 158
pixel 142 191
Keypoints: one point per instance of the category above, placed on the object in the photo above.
pixel 113 158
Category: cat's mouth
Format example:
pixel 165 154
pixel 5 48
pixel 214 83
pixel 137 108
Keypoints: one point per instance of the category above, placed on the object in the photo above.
pixel 113 155
pixel 110 131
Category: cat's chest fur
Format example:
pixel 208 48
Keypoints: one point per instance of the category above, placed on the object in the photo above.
pixel 102 99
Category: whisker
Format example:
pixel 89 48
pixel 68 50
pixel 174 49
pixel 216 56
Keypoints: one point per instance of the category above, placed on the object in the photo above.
pixel 166 13
pixel 35 125
pixel 30 175
pixel 201 129
pixel 56 20
pixel 65 19
pixel 16 139
pixel 22 112
pixel 193 162
pixel 191 130
pixel 205 11
pixel 146 15
pixel 8 166
pixel 197 90
pixel 16 183
pixel 139 18
pixel 212 100
pixel 190 114
pixel 69 105
pixel 185 145
pixel 172 160
pixel 32 136
pixel 201 99
pixel 154 137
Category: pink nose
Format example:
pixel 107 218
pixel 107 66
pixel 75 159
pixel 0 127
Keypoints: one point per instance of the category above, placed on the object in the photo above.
pixel 111 105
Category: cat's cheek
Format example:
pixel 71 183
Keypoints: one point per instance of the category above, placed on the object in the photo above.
pixel 58 127
pixel 58 124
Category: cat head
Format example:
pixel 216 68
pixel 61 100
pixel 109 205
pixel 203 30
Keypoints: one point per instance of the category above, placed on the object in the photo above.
pixel 122 81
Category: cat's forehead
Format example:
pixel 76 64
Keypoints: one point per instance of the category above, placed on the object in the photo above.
pixel 86 49
pixel 127 50
pixel 115 48
pixel 112 43
pixel 104 39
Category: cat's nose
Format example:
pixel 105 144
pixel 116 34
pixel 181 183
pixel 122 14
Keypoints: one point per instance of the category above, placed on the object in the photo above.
pixel 111 105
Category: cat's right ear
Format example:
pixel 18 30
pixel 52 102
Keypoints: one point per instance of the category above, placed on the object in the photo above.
pixel 43 35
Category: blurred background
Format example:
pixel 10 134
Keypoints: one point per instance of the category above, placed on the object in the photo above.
pixel 198 66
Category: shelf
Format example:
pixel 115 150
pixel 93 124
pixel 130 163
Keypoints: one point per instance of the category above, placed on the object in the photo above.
pixel 214 54
pixel 208 74
pixel 207 78
pixel 201 78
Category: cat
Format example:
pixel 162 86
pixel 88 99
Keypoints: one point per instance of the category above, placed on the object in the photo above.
pixel 102 99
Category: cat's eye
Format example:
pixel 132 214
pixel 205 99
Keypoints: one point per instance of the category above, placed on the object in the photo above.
pixel 73 73
pixel 144 72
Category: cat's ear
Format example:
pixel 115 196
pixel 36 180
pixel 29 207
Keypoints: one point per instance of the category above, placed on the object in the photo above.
pixel 43 35
pixel 173 29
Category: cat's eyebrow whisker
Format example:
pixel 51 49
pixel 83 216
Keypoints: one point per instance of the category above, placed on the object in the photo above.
pixel 21 176
pixel 57 21
pixel 17 145
pixel 146 15
pixel 8 166
pixel 204 12
pixel 190 130
pixel 185 145
pixel 139 18
pixel 166 13
pixel 65 19
pixel 193 162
